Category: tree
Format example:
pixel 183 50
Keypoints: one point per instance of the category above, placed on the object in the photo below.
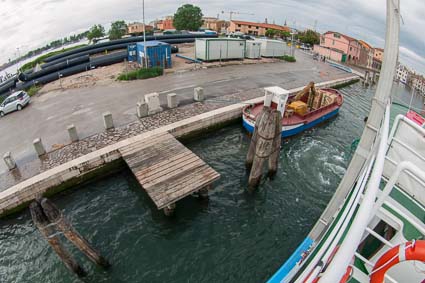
pixel 118 29
pixel 96 31
pixel 271 33
pixel 188 17
pixel 309 36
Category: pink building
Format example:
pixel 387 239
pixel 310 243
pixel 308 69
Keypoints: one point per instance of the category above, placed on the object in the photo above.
pixel 349 46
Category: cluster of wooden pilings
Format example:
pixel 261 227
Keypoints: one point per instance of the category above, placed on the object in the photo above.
pixel 265 145
pixel 51 223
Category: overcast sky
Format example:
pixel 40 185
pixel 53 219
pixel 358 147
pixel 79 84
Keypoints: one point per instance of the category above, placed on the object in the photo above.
pixel 28 24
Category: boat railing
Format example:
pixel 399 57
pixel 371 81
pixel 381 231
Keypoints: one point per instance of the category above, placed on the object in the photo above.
pixel 404 166
pixel 361 220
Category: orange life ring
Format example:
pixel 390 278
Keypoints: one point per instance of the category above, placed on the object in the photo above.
pixel 413 250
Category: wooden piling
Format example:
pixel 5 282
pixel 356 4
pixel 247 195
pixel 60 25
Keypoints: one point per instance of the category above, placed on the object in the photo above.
pixel 170 209
pixel 55 216
pixel 49 232
pixel 251 151
pixel 264 144
pixel 274 156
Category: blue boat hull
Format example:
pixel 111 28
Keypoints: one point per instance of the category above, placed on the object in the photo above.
pixel 291 132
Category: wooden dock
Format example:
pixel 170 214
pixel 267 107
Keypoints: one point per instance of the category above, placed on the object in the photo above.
pixel 166 169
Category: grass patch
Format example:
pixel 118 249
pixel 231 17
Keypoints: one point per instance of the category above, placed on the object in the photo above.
pixel 40 59
pixel 141 74
pixel 33 90
pixel 287 58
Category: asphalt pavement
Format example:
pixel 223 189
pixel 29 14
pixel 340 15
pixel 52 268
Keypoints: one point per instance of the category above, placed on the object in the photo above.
pixel 48 115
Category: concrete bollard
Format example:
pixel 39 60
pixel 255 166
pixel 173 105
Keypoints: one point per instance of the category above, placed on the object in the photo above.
pixel 172 100
pixel 39 147
pixel 198 94
pixel 152 100
pixel 142 109
pixel 72 132
pixel 108 122
pixel 8 159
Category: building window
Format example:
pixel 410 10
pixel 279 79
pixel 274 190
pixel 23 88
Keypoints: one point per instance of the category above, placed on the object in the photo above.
pixel 249 26
pixel 257 27
pixel 351 48
pixel 333 42
pixel 238 30
pixel 239 26
pixel 337 35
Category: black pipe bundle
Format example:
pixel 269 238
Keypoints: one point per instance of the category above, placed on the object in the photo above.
pixel 126 41
pixel 8 85
pixel 54 68
pixel 94 63
pixel 62 65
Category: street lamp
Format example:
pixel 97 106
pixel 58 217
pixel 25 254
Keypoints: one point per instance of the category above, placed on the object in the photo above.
pixel 292 44
pixel 144 35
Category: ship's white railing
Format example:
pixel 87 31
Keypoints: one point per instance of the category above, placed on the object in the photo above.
pixel 334 237
pixel 353 238
pixel 372 264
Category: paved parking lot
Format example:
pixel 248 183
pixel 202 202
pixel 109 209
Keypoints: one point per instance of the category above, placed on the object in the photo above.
pixel 49 114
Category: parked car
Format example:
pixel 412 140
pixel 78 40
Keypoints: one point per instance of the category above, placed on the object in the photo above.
pixel 15 101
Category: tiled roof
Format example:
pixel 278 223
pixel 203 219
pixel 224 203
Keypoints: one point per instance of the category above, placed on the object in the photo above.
pixel 263 25
pixel 349 38
pixel 365 44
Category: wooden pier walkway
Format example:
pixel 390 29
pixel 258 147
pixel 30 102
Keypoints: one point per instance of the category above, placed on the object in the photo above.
pixel 166 169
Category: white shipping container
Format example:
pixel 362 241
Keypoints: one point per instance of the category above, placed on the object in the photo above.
pixel 253 49
pixel 271 48
pixel 213 49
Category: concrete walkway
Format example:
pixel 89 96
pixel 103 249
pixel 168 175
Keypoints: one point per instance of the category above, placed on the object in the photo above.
pixel 49 114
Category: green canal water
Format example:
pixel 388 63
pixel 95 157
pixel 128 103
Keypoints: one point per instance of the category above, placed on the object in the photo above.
pixel 235 237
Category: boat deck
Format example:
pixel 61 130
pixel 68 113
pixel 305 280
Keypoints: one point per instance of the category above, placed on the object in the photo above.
pixel 166 169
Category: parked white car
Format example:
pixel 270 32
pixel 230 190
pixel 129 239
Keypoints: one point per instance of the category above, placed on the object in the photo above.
pixel 15 101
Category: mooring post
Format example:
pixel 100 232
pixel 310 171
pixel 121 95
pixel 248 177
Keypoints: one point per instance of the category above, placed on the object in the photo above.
pixel 274 156
pixel 172 100
pixel 142 109
pixel 50 234
pixel 72 132
pixel 251 151
pixel 108 122
pixel 198 94
pixel 263 145
pixel 8 159
pixel 55 216
pixel 39 147
pixel 203 193
pixel 154 105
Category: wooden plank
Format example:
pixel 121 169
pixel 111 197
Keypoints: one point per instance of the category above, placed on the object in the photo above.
pixel 168 161
pixel 146 142
pixel 165 166
pixel 161 188
pixel 151 159
pixel 166 169
pixel 198 179
pixel 140 151
pixel 191 164
pixel 172 198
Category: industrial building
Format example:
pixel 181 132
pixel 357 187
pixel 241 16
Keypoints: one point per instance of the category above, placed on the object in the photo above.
pixel 271 48
pixel 213 49
pixel 253 49
pixel 158 53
